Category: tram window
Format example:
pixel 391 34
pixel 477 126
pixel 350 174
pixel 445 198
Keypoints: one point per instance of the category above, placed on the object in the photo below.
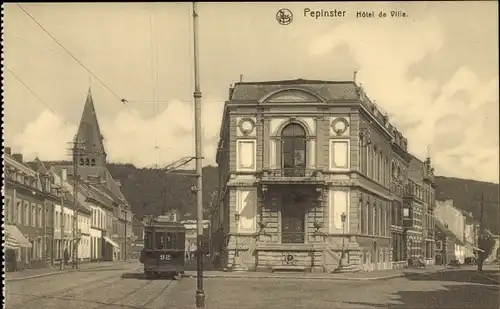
pixel 171 240
pixel 148 240
pixel 160 240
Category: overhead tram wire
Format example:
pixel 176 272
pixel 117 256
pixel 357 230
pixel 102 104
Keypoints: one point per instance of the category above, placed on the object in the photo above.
pixel 123 100
pixel 36 96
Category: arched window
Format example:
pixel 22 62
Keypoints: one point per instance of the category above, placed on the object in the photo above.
pixel 381 168
pixel 92 162
pixel 82 162
pixel 362 152
pixel 87 162
pixel 293 150
pixel 369 161
pixel 393 169
pixel 387 172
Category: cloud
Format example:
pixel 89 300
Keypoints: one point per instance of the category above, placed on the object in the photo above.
pixel 130 138
pixel 421 70
pixel 449 117
pixel 47 137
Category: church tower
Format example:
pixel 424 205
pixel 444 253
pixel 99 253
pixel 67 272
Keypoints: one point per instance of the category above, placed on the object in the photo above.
pixel 89 138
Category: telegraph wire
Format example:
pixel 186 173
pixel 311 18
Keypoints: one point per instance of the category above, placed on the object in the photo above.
pixel 124 101
pixel 36 96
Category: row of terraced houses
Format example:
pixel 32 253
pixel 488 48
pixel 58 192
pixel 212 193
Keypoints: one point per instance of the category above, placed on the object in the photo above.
pixel 43 219
pixel 314 177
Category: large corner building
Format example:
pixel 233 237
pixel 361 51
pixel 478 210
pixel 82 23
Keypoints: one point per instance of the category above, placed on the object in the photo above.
pixel 314 177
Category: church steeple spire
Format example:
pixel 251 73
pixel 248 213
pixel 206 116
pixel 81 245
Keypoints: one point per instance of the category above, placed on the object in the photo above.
pixel 89 136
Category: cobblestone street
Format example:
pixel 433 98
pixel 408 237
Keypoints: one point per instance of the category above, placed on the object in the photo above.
pixel 125 287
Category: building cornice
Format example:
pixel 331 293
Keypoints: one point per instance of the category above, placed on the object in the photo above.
pixel 34 191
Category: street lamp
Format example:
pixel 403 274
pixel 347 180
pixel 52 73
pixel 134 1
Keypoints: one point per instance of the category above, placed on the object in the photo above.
pixel 237 265
pixel 343 218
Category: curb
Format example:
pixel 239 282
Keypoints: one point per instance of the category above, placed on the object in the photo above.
pixel 496 281
pixel 57 273
pixel 263 276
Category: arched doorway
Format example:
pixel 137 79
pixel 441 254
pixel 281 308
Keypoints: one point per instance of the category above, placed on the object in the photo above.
pixel 293 150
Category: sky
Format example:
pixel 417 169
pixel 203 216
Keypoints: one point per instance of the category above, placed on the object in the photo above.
pixel 434 72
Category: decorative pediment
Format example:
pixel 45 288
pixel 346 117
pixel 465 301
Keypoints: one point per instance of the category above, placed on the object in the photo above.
pixel 291 95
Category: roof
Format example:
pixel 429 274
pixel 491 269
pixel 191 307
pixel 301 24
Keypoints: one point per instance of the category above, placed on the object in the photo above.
pixel 107 185
pixel 38 166
pixel 68 185
pixel 329 90
pixel 448 232
pixel 89 132
pixel 9 160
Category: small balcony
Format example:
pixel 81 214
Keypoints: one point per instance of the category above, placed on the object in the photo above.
pixel 413 191
pixel 294 175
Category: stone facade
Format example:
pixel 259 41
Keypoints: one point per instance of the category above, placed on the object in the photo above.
pixel 418 211
pixel 305 178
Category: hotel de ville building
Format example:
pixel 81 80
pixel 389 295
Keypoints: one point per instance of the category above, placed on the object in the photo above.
pixel 313 177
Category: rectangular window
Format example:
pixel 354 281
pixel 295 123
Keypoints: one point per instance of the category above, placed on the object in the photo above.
pixel 339 154
pixel 8 210
pixel 26 214
pixel 362 217
pixel 40 216
pixel 34 215
pixel 19 212
pixel 406 212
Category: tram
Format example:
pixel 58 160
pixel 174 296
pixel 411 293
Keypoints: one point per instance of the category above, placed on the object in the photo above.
pixel 164 249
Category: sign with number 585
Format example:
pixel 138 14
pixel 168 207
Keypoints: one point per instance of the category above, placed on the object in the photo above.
pixel 165 257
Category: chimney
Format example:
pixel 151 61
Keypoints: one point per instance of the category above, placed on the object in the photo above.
pixel 231 90
pixel 241 78
pixel 354 76
pixel 7 151
pixel 18 157
pixel 64 174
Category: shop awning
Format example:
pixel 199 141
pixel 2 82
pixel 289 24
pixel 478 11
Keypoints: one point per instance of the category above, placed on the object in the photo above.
pixel 14 238
pixel 111 242
pixel 474 247
pixel 477 248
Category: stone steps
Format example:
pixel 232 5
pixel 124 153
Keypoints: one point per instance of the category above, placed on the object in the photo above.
pixel 289 269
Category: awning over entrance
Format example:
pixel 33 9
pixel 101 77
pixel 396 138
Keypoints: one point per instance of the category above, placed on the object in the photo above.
pixel 111 242
pixel 475 248
pixel 14 238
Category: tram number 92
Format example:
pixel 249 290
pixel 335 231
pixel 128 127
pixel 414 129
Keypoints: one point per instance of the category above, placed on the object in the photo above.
pixel 165 257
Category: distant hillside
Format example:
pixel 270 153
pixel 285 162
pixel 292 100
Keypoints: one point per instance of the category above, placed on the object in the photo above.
pixel 151 191
pixel 466 194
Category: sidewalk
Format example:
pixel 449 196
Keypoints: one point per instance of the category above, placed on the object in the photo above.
pixel 359 276
pixel 50 271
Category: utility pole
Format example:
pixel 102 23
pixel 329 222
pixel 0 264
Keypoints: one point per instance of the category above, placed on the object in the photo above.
pixel 75 151
pixel 200 294
pixel 481 235
pixel 126 227
pixel 61 247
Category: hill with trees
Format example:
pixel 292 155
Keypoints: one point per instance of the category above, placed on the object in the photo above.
pixel 152 191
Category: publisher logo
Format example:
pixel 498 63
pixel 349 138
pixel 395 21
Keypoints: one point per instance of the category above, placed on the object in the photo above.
pixel 284 17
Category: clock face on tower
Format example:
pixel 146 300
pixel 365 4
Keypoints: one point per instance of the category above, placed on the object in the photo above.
pixel 246 125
